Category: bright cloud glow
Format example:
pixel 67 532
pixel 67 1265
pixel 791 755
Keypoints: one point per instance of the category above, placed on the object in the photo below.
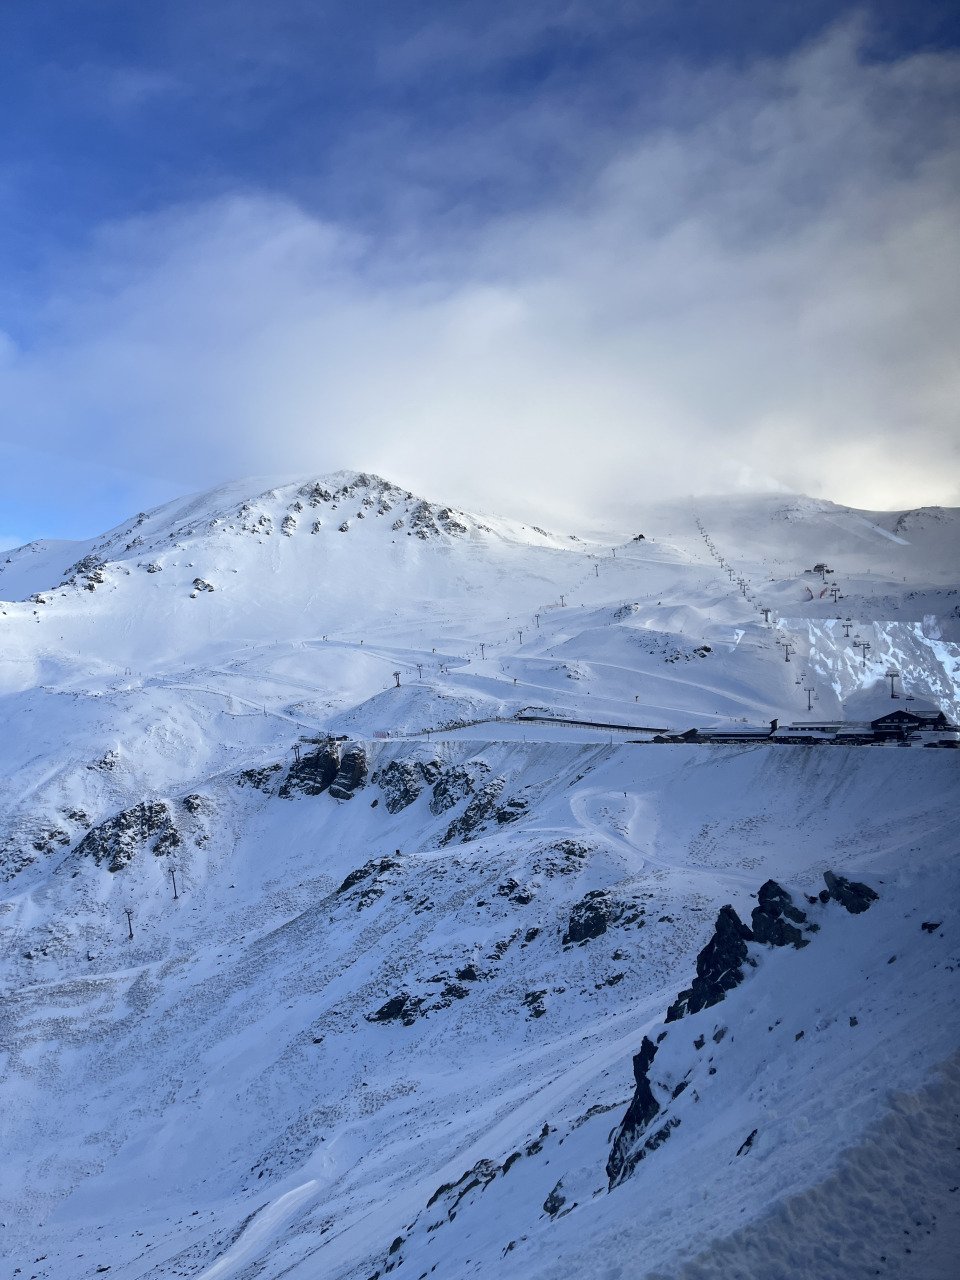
pixel 758 293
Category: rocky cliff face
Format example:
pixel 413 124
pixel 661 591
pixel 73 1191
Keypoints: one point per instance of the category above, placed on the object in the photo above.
pixel 313 773
pixel 352 773
pixel 148 825
pixel 721 966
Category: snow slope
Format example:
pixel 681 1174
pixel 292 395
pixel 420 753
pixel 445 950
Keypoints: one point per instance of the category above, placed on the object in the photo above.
pixel 353 1001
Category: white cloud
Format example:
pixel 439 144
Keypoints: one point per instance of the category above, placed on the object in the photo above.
pixel 764 293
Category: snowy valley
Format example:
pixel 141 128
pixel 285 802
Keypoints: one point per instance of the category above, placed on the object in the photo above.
pixel 358 920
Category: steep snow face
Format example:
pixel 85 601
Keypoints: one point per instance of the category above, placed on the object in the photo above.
pixel 351 1004
pixel 336 502
pixel 394 949
pixel 339 555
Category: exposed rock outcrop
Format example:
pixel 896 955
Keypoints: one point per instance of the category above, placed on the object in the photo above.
pixel 403 1008
pixel 261 778
pixel 643 1110
pixel 852 894
pixel 455 785
pixel 87 573
pixel 31 838
pixel 772 917
pixel 594 914
pixel 777 922
pixel 511 810
pixel 480 810
pixel 555 1200
pixel 372 877
pixel 352 773
pixel 148 825
pixel 314 772
pixel 719 966
pixel 403 781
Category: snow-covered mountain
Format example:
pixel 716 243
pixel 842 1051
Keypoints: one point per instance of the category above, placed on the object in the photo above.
pixel 372 783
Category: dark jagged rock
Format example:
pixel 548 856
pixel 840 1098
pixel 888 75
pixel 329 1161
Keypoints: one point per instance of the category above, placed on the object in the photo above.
pixel 352 773
pixel 565 858
pixel 371 876
pixel 479 811
pixel 449 522
pixel 513 809
pixel 772 915
pixel 315 493
pixel 116 841
pixel 260 778
pixel 719 966
pixel 777 922
pixel 88 573
pixel 313 773
pixel 403 1008
pixel 534 1003
pixel 422 522
pixel 520 894
pixel 403 781
pixel 196 803
pixel 643 1109
pixel 45 839
pixel 594 914
pixel 201 584
pixel 555 1200
pixel 482 1173
pixel 453 786
pixel 747 1143
pixel 852 894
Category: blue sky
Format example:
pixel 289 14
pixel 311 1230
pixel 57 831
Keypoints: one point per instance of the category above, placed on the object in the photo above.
pixel 522 255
